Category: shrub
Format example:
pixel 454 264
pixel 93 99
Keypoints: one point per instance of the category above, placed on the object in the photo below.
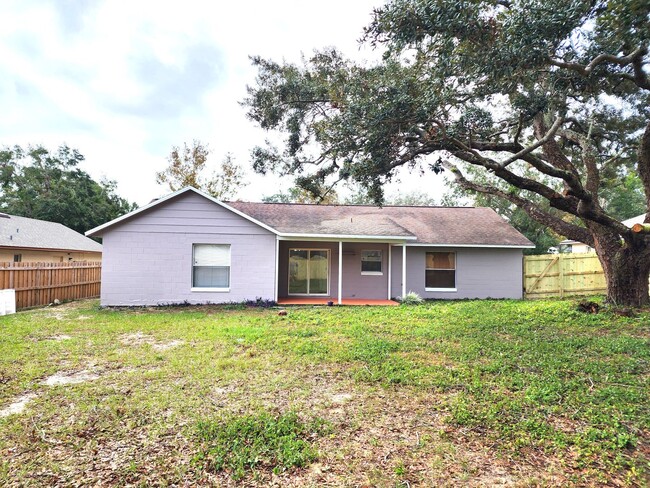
pixel 411 298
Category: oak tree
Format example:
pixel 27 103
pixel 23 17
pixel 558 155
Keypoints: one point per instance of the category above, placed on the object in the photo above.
pixel 549 97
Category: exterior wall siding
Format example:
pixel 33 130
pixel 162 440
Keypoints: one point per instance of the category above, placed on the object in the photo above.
pixel 148 260
pixel 480 273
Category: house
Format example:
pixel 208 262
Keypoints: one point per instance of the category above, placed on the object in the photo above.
pixel 32 240
pixel 571 246
pixel 190 247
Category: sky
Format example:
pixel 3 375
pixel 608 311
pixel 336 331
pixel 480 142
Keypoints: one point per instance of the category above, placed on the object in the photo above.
pixel 124 81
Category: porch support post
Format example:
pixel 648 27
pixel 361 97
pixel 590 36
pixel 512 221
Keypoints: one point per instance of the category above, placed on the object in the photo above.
pixel 390 269
pixel 403 270
pixel 340 271
pixel 277 268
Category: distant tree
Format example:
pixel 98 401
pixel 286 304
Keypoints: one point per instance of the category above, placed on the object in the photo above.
pixel 40 184
pixel 300 195
pixel 187 166
pixel 411 198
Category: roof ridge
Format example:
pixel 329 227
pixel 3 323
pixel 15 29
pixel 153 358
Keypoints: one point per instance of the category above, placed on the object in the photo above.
pixel 349 205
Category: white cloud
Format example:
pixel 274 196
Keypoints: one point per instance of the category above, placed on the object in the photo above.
pixel 124 81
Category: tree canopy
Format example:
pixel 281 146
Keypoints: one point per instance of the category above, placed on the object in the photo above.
pixel 48 185
pixel 187 167
pixel 546 99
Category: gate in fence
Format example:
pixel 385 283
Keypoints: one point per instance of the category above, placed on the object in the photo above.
pixel 559 275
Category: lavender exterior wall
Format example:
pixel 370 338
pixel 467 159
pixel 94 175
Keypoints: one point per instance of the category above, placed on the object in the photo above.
pixel 147 260
pixel 480 273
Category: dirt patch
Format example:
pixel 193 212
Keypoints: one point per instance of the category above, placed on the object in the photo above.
pixel 341 397
pixel 70 378
pixel 167 345
pixel 60 337
pixel 18 405
pixel 140 338
pixel 136 339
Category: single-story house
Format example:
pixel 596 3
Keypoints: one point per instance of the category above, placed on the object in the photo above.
pixel 571 246
pixel 190 247
pixel 38 241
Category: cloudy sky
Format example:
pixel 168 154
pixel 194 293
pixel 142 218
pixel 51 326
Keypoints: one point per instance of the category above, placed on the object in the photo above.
pixel 124 81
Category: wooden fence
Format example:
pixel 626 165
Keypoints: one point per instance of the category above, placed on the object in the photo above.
pixel 38 284
pixel 559 275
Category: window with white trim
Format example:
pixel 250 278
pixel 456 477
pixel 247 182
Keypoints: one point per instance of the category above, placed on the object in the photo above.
pixel 211 267
pixel 440 271
pixel 371 262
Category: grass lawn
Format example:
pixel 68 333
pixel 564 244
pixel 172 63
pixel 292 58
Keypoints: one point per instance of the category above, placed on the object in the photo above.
pixel 476 393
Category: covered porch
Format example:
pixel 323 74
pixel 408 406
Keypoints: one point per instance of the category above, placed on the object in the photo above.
pixel 327 301
pixel 353 270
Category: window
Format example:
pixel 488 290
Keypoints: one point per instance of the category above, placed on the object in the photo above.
pixel 371 262
pixel 18 258
pixel 440 271
pixel 211 268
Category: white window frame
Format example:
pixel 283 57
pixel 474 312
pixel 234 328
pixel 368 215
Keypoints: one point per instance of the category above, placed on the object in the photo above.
pixel 212 289
pixel 381 261
pixel 443 290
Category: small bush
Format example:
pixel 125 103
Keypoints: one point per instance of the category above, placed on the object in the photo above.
pixel 411 298
pixel 264 441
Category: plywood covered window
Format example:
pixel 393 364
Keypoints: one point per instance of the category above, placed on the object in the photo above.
pixel 440 271
pixel 371 262
pixel 211 267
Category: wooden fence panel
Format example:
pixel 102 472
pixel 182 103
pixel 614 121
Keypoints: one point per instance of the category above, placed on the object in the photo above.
pixel 559 275
pixel 38 284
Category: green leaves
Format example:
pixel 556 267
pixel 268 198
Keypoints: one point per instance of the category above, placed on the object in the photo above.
pixel 46 185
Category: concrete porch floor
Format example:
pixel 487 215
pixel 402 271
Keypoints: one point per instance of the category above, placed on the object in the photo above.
pixel 323 301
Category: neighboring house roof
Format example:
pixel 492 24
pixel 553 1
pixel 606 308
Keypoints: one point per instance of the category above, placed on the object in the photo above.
pixel 469 226
pixel 441 226
pixel 22 232
pixel 639 219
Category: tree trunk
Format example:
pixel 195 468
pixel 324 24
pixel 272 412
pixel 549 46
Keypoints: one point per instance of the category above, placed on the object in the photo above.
pixel 626 272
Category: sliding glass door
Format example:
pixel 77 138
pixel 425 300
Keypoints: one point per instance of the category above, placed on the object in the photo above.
pixel 308 271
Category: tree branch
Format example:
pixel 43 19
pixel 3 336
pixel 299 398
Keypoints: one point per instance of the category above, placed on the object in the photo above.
pixel 643 167
pixel 635 58
pixel 543 140
pixel 535 212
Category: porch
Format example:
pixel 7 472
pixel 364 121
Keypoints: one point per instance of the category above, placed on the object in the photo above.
pixel 351 272
pixel 325 301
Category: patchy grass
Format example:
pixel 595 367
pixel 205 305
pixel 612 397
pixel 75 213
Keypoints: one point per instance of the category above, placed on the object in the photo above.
pixel 476 393
pixel 244 444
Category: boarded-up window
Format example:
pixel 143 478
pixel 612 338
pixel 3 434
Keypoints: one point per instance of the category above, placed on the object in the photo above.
pixel 371 262
pixel 211 267
pixel 440 270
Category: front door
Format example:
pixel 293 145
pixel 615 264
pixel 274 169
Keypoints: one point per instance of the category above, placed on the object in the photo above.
pixel 308 272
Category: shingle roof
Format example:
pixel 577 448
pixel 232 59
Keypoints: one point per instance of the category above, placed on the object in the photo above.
pixel 16 231
pixel 429 225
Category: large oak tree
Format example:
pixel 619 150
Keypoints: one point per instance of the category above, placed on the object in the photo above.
pixel 544 97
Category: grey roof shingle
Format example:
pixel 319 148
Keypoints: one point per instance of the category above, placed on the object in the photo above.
pixel 429 225
pixel 16 231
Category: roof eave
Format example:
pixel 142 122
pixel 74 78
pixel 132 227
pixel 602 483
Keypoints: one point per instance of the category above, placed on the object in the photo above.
pixel 284 236
pixel 489 246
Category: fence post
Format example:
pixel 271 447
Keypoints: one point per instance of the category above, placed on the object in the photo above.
pixel 561 263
